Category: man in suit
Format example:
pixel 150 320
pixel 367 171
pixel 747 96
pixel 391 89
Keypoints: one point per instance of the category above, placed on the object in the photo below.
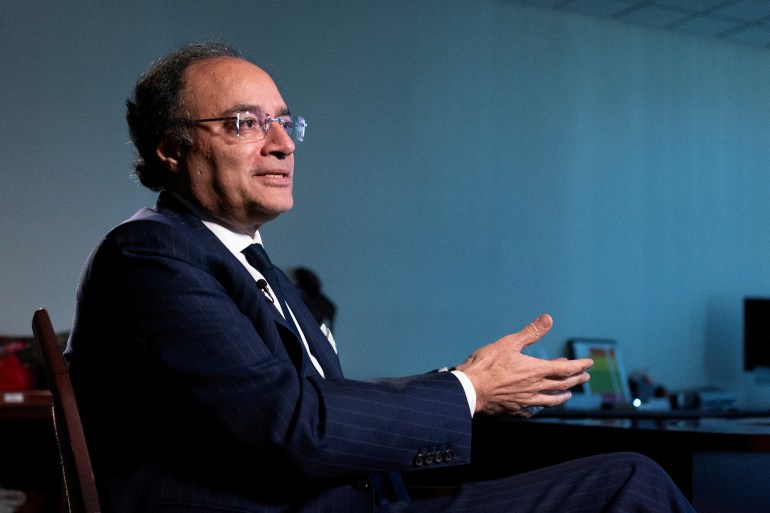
pixel 206 385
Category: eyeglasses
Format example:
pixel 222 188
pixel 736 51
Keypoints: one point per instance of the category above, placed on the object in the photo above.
pixel 251 126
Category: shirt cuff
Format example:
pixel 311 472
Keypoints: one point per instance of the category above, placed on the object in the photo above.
pixel 470 392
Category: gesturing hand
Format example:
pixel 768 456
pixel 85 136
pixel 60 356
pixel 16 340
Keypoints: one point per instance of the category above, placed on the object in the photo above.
pixel 509 382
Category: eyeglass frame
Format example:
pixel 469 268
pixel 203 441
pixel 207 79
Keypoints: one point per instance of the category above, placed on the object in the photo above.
pixel 297 136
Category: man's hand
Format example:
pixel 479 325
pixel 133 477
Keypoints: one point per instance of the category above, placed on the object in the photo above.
pixel 509 382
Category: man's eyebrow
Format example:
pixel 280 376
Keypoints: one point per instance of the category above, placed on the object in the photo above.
pixel 241 107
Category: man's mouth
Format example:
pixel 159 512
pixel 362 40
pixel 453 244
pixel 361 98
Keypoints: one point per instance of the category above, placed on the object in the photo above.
pixel 273 174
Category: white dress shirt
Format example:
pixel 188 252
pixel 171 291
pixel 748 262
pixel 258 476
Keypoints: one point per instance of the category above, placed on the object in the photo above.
pixel 236 242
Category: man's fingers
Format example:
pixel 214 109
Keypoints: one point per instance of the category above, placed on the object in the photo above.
pixel 561 369
pixel 562 382
pixel 552 399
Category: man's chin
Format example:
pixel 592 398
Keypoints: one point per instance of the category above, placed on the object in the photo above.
pixel 267 215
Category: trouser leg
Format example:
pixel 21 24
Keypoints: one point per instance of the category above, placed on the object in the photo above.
pixel 618 483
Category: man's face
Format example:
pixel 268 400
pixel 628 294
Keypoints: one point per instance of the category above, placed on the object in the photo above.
pixel 243 183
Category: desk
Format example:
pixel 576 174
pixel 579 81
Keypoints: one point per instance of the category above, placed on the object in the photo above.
pixel 26 405
pixel 721 464
pixel 29 457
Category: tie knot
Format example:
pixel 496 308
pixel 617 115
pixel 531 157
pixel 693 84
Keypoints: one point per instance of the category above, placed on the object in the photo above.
pixel 256 256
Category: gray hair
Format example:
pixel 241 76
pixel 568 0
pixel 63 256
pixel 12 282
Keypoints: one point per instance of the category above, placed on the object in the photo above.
pixel 153 111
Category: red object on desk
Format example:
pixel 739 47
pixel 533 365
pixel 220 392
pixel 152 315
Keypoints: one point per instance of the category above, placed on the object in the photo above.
pixel 14 375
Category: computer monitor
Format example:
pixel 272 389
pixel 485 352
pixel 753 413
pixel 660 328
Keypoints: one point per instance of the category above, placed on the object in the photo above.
pixel 756 332
pixel 609 381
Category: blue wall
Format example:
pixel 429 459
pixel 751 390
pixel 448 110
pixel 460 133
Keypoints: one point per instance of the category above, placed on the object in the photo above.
pixel 469 164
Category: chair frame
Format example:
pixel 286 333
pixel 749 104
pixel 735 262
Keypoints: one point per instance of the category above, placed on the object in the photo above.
pixel 78 475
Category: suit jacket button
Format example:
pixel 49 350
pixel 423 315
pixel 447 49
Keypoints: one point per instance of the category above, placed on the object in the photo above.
pixel 448 455
pixel 439 456
pixel 419 461
pixel 429 457
pixel 360 484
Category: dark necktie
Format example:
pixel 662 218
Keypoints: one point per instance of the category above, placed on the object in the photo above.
pixel 257 257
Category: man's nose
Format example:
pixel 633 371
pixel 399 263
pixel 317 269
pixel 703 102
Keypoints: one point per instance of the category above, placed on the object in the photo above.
pixel 277 140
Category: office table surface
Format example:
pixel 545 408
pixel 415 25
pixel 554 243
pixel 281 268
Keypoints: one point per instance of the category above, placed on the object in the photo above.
pixel 26 405
pixel 753 425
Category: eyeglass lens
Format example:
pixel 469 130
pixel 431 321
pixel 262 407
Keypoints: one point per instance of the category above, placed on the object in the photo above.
pixel 255 126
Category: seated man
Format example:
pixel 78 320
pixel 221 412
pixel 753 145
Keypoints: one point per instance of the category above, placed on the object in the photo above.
pixel 204 382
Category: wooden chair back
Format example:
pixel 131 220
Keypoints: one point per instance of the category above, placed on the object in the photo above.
pixel 79 483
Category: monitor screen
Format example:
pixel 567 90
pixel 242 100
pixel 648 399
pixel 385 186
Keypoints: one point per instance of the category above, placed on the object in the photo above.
pixel 609 380
pixel 756 332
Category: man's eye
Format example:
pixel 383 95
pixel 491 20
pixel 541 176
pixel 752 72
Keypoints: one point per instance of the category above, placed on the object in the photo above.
pixel 249 123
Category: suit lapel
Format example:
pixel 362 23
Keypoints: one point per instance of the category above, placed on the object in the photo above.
pixel 316 340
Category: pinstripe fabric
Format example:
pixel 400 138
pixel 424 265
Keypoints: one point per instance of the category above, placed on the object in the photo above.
pixel 195 394
pixel 617 483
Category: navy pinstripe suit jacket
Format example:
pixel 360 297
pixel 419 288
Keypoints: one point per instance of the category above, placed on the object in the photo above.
pixel 195 394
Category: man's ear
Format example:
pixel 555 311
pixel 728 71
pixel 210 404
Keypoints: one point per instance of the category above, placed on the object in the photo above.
pixel 169 154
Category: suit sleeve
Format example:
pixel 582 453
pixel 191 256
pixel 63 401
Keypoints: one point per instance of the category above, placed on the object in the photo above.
pixel 178 333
